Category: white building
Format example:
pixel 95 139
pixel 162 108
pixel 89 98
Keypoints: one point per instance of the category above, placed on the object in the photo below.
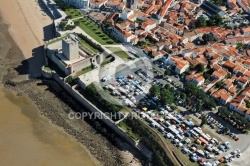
pixel 78 3
pixel 126 13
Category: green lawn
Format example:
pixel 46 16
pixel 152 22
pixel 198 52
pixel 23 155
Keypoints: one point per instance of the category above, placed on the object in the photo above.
pixel 84 43
pixel 56 40
pixel 94 31
pixel 105 62
pixel 119 52
pixel 83 71
pixel 47 68
pixel 73 13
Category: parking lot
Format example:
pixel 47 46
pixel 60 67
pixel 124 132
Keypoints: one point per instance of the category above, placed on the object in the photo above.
pixel 131 85
pixel 190 139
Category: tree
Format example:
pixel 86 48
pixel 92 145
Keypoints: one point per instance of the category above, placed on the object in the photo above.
pixel 183 96
pixel 191 88
pixel 215 20
pixel 188 101
pixel 192 26
pixel 154 91
pixel 239 46
pixel 200 67
pixel 219 84
pixel 218 2
pixel 199 106
pixel 206 76
pixel 203 121
pixel 248 104
pixel 224 111
pixel 167 72
pixel 69 79
pixel 207 37
pixel 167 86
pixel 201 22
pixel 166 97
pixel 62 25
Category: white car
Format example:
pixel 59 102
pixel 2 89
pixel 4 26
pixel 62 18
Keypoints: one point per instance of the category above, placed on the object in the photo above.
pixel 170 136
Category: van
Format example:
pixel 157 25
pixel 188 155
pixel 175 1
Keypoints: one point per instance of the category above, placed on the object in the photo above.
pixel 167 123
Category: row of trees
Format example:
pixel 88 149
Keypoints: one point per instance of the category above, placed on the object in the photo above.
pixel 241 122
pixel 219 2
pixel 215 20
pixel 165 95
pixel 201 98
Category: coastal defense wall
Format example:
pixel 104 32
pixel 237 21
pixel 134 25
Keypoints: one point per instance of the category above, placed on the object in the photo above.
pixel 106 120
pixel 52 8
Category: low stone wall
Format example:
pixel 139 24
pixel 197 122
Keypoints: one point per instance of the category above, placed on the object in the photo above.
pixel 47 74
pixel 106 120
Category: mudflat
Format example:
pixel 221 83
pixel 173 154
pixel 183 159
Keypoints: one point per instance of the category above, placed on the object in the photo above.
pixel 28 139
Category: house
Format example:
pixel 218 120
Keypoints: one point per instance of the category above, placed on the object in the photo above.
pixel 127 13
pixel 238 104
pixel 239 70
pixel 222 96
pixel 96 4
pixel 229 65
pixel 246 31
pixel 244 4
pixel 197 78
pixel 148 25
pixel 179 63
pixel 242 81
pixel 220 74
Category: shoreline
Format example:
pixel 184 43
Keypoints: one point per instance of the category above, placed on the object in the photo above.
pixel 15 73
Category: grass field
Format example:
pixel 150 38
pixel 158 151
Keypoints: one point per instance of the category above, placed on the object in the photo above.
pixel 56 40
pixel 83 71
pixel 119 52
pixel 86 44
pixel 73 13
pixel 94 31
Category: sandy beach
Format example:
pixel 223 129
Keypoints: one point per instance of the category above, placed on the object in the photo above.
pixel 26 23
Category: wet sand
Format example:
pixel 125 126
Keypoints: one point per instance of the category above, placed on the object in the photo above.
pixel 27 138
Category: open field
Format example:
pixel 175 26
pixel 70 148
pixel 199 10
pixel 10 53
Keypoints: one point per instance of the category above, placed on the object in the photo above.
pixel 83 71
pixel 94 31
pixel 84 43
pixel 119 52
pixel 56 40
pixel 73 13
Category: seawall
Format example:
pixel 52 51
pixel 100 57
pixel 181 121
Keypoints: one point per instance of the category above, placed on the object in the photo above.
pixel 92 108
